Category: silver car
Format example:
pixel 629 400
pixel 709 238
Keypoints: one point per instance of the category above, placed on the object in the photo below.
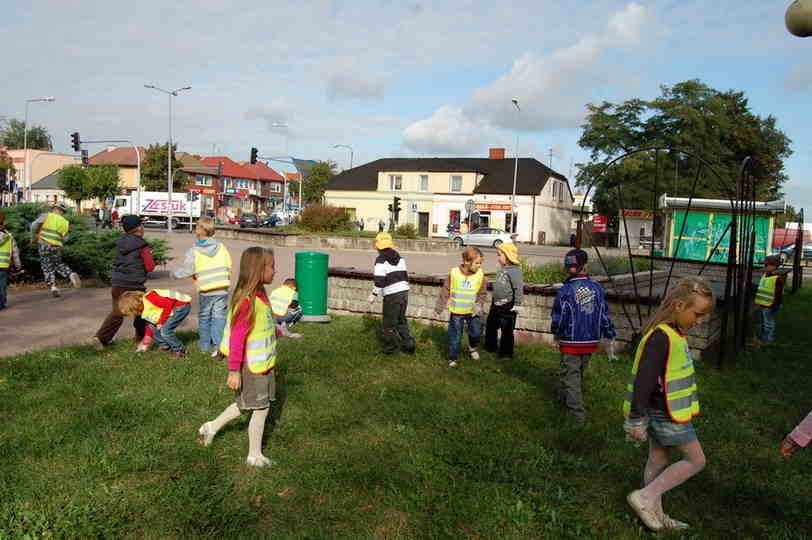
pixel 483 236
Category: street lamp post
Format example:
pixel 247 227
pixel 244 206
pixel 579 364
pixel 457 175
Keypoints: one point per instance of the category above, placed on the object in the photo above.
pixel 515 174
pixel 347 146
pixel 27 179
pixel 170 94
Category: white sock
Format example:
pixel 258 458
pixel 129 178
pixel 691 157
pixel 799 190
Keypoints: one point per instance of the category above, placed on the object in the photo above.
pixel 255 429
pixel 232 412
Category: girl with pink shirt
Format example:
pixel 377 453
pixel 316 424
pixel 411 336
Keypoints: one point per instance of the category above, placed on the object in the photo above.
pixel 798 438
pixel 249 343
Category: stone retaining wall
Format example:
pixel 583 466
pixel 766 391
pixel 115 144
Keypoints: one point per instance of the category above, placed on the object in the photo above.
pixel 269 237
pixel 349 288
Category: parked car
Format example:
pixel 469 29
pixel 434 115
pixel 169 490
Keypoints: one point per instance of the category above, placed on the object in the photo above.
pixel 234 220
pixel 248 220
pixel 787 253
pixel 269 221
pixel 483 236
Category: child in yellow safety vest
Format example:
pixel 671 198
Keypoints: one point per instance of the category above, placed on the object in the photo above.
pixel 662 399
pixel 768 299
pixel 464 293
pixel 9 258
pixel 249 344
pixel 51 230
pixel 285 306
pixel 208 262
pixel 163 310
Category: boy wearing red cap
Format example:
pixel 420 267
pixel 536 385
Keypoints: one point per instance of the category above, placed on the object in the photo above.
pixel 580 318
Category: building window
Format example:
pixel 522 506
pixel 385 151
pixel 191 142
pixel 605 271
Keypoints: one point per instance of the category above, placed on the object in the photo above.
pixel 424 182
pixel 560 192
pixel 395 182
pixel 276 187
pixel 456 183
pixel 203 180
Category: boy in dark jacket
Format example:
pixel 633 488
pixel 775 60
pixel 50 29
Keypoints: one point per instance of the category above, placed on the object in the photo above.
pixel 133 263
pixel 580 318
pixel 391 282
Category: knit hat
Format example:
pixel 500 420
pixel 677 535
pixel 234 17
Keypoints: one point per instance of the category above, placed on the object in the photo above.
pixel 510 250
pixel 383 240
pixel 574 260
pixel 129 223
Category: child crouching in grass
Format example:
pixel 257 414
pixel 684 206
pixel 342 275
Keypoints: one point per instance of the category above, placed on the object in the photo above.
pixel 163 310
pixel 662 399
pixel 464 293
pixel 249 344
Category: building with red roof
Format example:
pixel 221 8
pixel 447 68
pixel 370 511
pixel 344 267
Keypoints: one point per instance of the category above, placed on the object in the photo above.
pixel 244 187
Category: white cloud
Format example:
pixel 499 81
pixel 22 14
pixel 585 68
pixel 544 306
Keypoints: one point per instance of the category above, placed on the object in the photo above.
pixel 275 112
pixel 344 79
pixel 448 131
pixel 552 89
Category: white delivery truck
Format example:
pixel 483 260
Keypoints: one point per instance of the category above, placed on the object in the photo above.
pixel 155 207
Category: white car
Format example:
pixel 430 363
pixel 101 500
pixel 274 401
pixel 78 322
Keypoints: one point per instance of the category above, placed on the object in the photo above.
pixel 484 236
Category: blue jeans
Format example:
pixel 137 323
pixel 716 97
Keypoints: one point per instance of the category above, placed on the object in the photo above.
pixel 767 330
pixel 456 324
pixel 3 287
pixel 166 335
pixel 211 321
pixel 291 317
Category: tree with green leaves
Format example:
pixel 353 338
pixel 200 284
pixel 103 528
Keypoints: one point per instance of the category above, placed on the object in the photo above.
pixel 73 181
pixel 102 181
pixel 316 181
pixel 153 169
pixel 717 126
pixel 13 136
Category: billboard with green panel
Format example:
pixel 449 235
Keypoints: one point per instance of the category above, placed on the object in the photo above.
pixel 703 231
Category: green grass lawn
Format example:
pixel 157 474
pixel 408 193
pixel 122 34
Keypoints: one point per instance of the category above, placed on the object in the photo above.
pixel 102 445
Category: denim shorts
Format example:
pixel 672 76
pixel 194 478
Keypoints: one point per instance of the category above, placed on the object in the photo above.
pixel 666 432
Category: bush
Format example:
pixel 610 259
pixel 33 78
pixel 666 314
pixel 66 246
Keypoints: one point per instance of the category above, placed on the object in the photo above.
pixel 324 218
pixel 88 252
pixel 543 274
pixel 406 231
pixel 554 272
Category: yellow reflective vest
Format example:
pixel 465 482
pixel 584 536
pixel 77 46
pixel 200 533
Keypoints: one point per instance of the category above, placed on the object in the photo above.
pixel 765 295
pixel 212 273
pixel 281 298
pixel 54 229
pixel 679 386
pixel 5 252
pixel 260 346
pixel 464 290
pixel 152 313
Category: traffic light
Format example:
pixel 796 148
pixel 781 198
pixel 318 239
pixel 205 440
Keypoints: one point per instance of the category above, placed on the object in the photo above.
pixel 254 153
pixel 85 159
pixel 75 141
pixel 396 207
pixel 390 208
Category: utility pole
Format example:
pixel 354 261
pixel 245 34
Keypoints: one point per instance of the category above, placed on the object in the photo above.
pixel 551 158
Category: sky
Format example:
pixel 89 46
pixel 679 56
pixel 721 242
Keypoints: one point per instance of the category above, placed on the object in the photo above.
pixel 390 78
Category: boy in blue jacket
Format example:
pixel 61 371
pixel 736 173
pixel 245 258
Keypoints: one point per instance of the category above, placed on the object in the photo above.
pixel 580 319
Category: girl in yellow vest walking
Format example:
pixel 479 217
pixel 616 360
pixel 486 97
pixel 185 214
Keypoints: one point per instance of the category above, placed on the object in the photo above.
pixel 9 258
pixel 52 231
pixel 464 292
pixel 768 299
pixel 249 344
pixel 662 399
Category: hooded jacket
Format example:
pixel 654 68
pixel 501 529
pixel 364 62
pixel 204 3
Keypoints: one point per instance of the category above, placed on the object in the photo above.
pixel 580 316
pixel 133 262
pixel 207 247
pixel 390 273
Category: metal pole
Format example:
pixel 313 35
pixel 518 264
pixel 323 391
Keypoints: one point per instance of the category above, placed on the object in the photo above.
pixel 515 175
pixel 169 167
pixel 137 181
pixel 27 193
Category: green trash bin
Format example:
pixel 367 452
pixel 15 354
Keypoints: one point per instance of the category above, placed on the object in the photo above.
pixel 311 280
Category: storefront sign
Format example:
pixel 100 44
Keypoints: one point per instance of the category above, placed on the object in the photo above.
pixel 599 223
pixel 491 207
pixel 638 214
pixel 231 191
pixel 242 194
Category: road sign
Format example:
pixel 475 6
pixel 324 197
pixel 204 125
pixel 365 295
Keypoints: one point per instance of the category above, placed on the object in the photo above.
pixel 599 223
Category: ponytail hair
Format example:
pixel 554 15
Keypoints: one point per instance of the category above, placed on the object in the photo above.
pixel 682 291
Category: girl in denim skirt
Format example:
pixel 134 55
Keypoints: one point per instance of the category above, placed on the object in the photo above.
pixel 662 400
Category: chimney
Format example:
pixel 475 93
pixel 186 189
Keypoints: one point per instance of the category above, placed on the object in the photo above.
pixel 496 153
